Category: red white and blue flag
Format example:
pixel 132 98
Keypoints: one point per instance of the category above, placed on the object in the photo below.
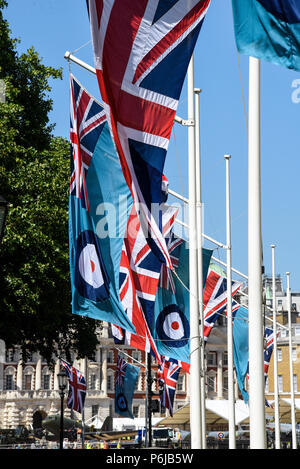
pixel 77 387
pixel 215 299
pixel 120 371
pixel 142 50
pixel 166 279
pixel 168 373
pixel 87 120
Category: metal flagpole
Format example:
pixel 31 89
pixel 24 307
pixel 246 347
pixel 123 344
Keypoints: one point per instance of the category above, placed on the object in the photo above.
pixel 256 341
pixel 197 92
pixel 195 397
pixel 231 397
pixel 293 418
pixel 149 404
pixel 276 395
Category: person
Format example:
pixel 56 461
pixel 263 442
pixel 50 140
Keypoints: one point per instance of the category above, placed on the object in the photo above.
pixel 119 446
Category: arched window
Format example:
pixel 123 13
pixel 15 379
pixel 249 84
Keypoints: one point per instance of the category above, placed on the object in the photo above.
pixel 28 378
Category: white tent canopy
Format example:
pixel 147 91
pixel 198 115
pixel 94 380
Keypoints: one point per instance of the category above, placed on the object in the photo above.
pixel 217 412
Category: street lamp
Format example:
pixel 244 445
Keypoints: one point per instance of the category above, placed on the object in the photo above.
pixel 3 213
pixel 62 384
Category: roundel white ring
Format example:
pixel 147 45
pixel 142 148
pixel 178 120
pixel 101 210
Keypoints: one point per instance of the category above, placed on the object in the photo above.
pixel 91 279
pixel 173 327
pixel 89 266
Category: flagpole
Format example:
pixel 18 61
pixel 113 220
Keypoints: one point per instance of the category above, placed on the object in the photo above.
pixel 149 395
pixel 231 397
pixel 293 419
pixel 256 342
pixel 197 92
pixel 195 366
pixel 276 395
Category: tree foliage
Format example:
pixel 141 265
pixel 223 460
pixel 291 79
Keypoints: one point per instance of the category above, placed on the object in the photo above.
pixel 35 309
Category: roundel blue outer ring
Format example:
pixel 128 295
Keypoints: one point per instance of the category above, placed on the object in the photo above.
pixel 173 308
pixel 86 290
pixel 122 402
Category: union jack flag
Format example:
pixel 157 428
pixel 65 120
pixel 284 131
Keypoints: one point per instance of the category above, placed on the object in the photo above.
pixel 139 278
pixel 120 372
pixel 77 387
pixel 269 345
pixel 87 120
pixel 215 299
pixel 166 279
pixel 142 49
pixel 269 341
pixel 168 373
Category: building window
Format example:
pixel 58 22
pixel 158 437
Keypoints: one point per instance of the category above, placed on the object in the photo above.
pixel 136 355
pixel 280 383
pixel 95 409
pixel 225 359
pixel 9 355
pixel 267 385
pixel 297 330
pixel 283 333
pixel 211 359
pixel 295 383
pixel 135 411
pixel 9 383
pixel 27 382
pixel 93 378
pixel 279 354
pixel 110 356
pixel 46 382
pixel 180 383
pixel 294 354
pixel 110 382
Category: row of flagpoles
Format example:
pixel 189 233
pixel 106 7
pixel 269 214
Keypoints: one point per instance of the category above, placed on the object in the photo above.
pixel 256 364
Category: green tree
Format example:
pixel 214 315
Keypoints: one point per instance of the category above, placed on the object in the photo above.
pixel 35 309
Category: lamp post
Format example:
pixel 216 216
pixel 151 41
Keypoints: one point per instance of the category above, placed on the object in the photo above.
pixel 62 384
pixel 3 213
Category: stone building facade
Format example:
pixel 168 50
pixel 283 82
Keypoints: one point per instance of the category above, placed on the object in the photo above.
pixel 29 391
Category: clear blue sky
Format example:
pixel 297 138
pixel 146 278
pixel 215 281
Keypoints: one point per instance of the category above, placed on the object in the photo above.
pixel 54 26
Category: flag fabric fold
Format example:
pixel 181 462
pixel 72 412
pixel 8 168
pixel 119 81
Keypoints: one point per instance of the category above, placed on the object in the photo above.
pixel 139 277
pixel 99 207
pixel 168 373
pixel 77 387
pixel 142 49
pixel 215 299
pixel 269 30
pixel 171 330
pixel 125 382
pixel 241 349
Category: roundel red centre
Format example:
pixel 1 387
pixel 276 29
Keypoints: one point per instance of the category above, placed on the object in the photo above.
pixel 173 326
pixel 89 266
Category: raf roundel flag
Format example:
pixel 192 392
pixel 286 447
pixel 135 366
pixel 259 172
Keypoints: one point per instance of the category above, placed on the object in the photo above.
pixel 171 330
pixel 125 382
pixel 99 207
